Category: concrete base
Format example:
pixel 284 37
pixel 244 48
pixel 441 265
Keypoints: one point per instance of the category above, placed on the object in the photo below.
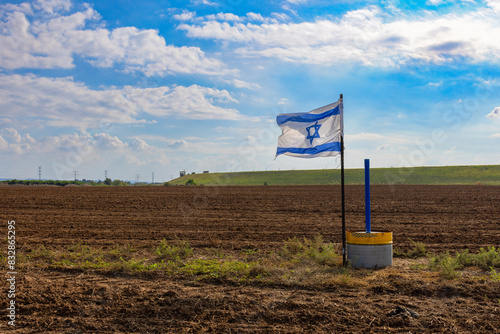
pixel 369 256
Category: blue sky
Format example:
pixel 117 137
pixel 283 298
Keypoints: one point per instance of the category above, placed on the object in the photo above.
pixel 142 87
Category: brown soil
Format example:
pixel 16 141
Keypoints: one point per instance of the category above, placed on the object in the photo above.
pixel 444 218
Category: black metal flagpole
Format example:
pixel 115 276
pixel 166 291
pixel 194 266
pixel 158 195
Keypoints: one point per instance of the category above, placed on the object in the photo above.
pixel 344 261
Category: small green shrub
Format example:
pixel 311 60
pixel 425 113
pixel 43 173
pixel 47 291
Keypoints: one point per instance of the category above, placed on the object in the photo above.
pixel 190 182
pixel 173 252
pixel 310 249
pixel 488 258
pixel 42 253
pixel 464 258
pixel 292 247
pixel 418 250
pixel 449 268
pixel 447 264
pixel 494 275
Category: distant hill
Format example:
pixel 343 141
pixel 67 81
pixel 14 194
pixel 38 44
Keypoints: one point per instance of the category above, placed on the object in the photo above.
pixel 487 175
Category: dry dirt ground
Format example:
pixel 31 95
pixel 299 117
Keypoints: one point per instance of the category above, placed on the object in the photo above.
pixel 444 218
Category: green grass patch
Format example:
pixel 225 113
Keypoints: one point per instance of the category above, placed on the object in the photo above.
pixel 487 259
pixel 173 252
pixel 418 250
pixel 297 261
pixel 443 175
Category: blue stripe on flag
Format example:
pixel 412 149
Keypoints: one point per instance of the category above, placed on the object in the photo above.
pixel 334 147
pixel 306 117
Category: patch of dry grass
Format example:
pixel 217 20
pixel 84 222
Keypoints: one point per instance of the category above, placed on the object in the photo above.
pixel 298 262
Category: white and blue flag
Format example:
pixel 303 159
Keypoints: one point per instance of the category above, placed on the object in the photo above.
pixel 312 134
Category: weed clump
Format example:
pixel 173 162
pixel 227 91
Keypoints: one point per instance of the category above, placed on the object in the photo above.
pixel 486 259
pixel 314 250
pixel 418 250
pixel 173 252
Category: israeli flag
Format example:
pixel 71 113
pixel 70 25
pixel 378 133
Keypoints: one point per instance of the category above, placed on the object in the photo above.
pixel 312 134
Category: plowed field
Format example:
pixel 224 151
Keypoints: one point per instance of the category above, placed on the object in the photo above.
pixel 444 218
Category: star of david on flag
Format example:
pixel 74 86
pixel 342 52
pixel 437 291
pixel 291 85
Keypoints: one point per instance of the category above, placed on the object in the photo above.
pixel 312 134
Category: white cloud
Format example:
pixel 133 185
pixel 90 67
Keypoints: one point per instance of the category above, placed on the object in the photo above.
pixel 205 2
pixel 52 6
pixel 194 102
pixel 496 135
pixel 435 84
pixel 383 141
pixel 139 144
pixel 53 42
pixel 184 16
pixel 434 2
pixel 243 84
pixel 296 2
pixel 365 136
pixel 224 17
pixel 365 36
pixel 63 102
pixel 61 155
pixel 494 4
pixel 279 17
pixel 255 17
pixel 22 8
pixel 106 141
pixel 494 114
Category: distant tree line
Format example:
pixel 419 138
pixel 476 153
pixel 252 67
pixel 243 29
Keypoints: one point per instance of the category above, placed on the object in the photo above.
pixel 107 182
pixel 40 182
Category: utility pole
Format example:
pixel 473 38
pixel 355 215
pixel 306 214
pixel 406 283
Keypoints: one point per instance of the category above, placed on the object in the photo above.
pixel 39 173
pixel 137 178
pixel 75 172
pixel 105 174
pixel 153 177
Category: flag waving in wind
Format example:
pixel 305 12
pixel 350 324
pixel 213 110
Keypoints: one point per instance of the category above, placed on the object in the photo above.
pixel 312 134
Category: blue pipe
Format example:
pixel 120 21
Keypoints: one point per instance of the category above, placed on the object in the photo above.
pixel 367 196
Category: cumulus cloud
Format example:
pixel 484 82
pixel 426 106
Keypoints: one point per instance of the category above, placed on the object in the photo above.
pixel 64 102
pixel 53 41
pixel 106 141
pixel 495 114
pixel 255 17
pixel 13 141
pixel 494 4
pixel 83 143
pixel 195 102
pixel 367 36
pixel 224 17
pixel 52 6
pixel 184 16
pixel 139 144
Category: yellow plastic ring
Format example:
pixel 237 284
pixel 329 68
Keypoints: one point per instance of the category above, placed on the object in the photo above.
pixel 372 238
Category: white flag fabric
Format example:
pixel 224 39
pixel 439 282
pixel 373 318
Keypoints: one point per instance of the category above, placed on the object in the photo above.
pixel 312 134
